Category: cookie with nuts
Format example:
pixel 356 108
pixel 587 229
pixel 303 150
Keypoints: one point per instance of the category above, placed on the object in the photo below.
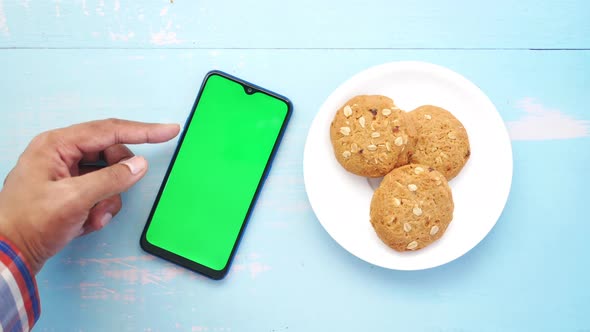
pixel 412 207
pixel 370 135
pixel 442 141
pixel 412 133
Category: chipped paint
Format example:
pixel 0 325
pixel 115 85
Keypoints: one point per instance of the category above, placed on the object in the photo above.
pixel 124 37
pixel 107 261
pixel 57 8
pixel 84 8
pixel 164 38
pixel 3 25
pixel 544 123
pixel 97 291
pixel 100 8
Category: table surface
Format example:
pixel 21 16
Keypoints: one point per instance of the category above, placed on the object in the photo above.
pixel 69 61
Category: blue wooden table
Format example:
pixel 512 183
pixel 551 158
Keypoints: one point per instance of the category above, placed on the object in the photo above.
pixel 64 61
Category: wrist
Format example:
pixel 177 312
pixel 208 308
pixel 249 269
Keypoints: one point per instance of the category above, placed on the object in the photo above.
pixel 17 243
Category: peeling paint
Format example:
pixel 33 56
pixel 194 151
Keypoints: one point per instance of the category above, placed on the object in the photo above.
pixel 164 38
pixel 3 25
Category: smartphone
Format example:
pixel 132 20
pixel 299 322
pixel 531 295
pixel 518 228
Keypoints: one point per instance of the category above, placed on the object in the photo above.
pixel 223 156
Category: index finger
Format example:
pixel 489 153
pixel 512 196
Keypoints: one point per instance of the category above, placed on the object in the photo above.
pixel 98 135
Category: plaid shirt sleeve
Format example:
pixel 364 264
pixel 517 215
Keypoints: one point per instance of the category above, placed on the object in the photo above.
pixel 19 298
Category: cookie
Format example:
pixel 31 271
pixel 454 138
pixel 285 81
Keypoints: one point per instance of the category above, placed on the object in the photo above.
pixel 369 135
pixel 412 207
pixel 442 140
pixel 412 133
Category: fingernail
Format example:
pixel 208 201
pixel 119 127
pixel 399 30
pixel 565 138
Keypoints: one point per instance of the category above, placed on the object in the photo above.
pixel 136 164
pixel 176 126
pixel 105 219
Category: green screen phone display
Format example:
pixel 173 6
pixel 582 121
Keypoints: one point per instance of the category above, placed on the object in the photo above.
pixel 217 171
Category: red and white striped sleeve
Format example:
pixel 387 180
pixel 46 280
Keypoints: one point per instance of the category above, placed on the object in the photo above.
pixel 19 297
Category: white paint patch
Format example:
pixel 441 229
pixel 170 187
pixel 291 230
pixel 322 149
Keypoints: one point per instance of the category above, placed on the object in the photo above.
pixel 124 37
pixel 100 8
pixel 542 123
pixel 242 63
pixel 84 9
pixel 164 38
pixel 117 5
pixel 119 36
pixel 57 9
pixel 3 25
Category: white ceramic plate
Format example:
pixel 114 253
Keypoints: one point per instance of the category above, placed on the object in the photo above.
pixel 341 200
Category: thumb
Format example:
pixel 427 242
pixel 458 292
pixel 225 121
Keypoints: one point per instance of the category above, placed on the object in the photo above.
pixel 112 180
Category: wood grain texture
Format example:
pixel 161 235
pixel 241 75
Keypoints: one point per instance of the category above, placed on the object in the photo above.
pixel 289 275
pixel 68 61
pixel 294 24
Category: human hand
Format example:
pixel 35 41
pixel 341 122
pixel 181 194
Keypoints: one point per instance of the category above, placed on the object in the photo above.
pixel 48 199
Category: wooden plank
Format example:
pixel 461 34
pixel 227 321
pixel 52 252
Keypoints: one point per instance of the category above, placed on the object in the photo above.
pixel 294 24
pixel 289 274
